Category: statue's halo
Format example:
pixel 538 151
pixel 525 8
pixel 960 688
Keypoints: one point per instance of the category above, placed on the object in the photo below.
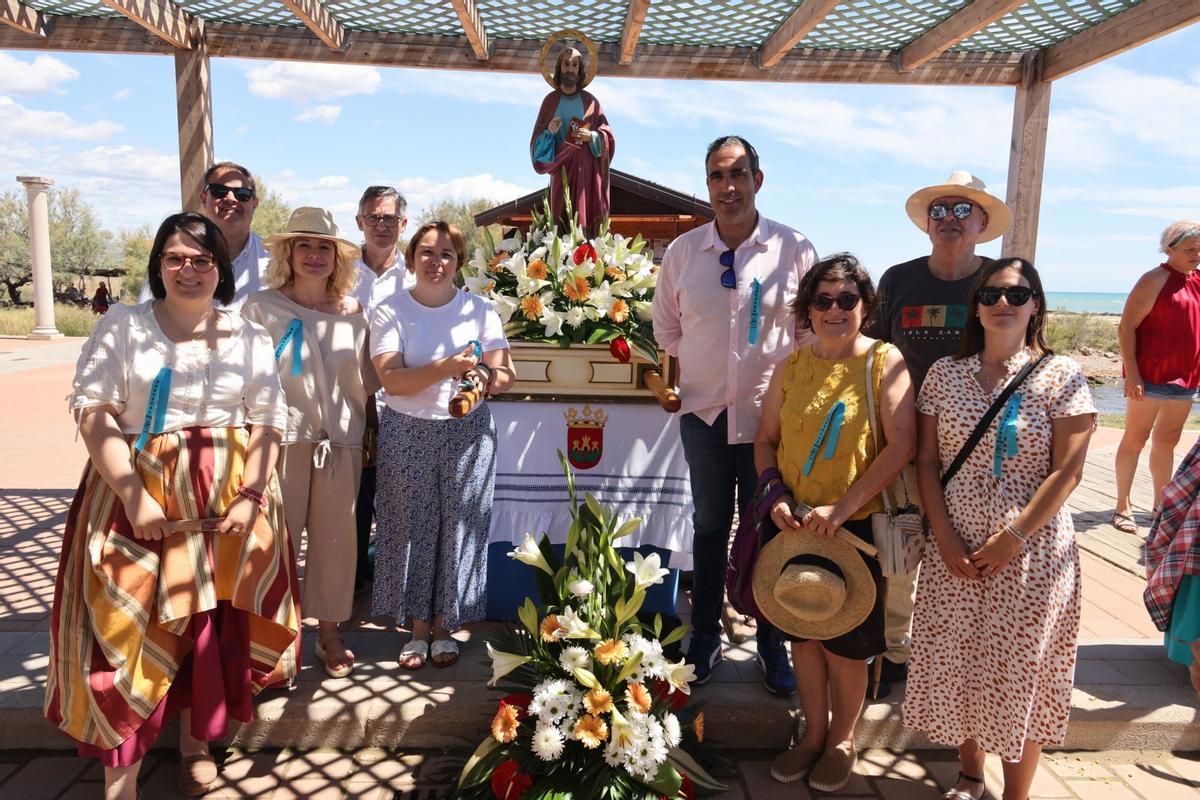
pixel 547 63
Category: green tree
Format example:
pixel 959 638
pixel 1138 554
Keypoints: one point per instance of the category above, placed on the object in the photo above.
pixel 15 271
pixel 272 213
pixel 463 215
pixel 78 245
pixel 135 249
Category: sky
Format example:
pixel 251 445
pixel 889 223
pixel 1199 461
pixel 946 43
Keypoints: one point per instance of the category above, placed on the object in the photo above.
pixel 1123 153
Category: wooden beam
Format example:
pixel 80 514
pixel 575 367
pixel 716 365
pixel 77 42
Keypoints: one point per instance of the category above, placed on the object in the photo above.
pixel 1121 32
pixel 635 18
pixel 24 18
pixel 163 18
pixel 317 19
pixel 193 104
pixel 293 43
pixel 1026 159
pixel 972 18
pixel 472 23
pixel 806 17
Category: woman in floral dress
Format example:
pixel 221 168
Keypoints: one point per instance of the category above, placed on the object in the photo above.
pixel 997 610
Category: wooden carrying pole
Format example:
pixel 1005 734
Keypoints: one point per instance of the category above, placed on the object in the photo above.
pixel 665 395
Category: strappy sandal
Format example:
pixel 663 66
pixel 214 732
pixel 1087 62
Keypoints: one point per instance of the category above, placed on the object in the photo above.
pixel 444 647
pixel 414 647
pixel 959 794
pixel 196 774
pixel 1125 523
pixel 332 671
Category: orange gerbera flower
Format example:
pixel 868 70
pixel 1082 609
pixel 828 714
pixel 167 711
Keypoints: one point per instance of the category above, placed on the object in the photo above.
pixel 638 697
pixel 505 723
pixel 576 288
pixel 619 311
pixel 611 651
pixel 698 726
pixel 615 272
pixel 591 731
pixel 597 701
pixel 494 264
pixel 536 269
pixel 549 627
pixel 531 307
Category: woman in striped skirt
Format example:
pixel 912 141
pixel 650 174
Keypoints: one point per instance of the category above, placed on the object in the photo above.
pixel 176 588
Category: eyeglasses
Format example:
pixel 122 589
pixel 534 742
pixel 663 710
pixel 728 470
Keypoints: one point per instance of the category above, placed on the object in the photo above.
pixel 960 210
pixel 382 220
pixel 845 301
pixel 728 278
pixel 175 262
pixel 240 193
pixel 1015 295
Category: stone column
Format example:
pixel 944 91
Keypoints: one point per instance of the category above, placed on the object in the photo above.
pixel 39 251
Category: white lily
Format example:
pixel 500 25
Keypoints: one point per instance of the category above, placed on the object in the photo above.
pixel 503 663
pixel 581 587
pixel 505 306
pixel 481 285
pixel 601 298
pixel 528 553
pixel 646 571
pixel 553 320
pixel 680 675
pixel 644 310
pixel 577 627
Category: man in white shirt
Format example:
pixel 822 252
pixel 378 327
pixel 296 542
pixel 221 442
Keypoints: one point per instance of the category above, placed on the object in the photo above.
pixel 381 270
pixel 229 198
pixel 723 307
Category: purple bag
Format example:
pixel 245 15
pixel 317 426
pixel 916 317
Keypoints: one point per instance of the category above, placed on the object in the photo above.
pixel 754 530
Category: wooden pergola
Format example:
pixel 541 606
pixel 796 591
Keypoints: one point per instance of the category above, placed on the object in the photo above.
pixel 1026 44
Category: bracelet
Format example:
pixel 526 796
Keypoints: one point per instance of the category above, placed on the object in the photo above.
pixel 488 372
pixel 248 493
pixel 1016 534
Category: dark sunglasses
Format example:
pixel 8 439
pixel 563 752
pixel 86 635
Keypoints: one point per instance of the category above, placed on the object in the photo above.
pixel 960 210
pixel 728 279
pixel 1015 295
pixel 845 301
pixel 219 190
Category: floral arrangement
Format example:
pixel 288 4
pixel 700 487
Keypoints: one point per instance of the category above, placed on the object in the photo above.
pixel 559 286
pixel 593 701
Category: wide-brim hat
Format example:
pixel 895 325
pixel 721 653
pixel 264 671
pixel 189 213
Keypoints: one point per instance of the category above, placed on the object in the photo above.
pixel 314 223
pixel 811 586
pixel 961 184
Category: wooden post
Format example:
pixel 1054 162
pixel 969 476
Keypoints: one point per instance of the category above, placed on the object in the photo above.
pixel 193 99
pixel 1026 158
pixel 39 255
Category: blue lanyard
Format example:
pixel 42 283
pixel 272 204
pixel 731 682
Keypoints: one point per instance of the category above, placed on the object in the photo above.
pixel 833 420
pixel 156 407
pixel 755 310
pixel 1006 433
pixel 295 335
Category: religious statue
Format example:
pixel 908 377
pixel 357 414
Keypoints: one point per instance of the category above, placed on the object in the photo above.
pixel 572 134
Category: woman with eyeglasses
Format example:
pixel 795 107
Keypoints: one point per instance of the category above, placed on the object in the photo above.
pixel 176 588
pixel 1159 336
pixel 815 437
pixel 320 338
pixel 997 608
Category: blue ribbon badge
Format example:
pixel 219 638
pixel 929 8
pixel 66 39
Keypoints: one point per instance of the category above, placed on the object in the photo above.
pixel 755 310
pixel 831 430
pixel 1006 433
pixel 156 408
pixel 295 335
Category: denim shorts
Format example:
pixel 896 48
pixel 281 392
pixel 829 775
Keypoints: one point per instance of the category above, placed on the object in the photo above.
pixel 1171 391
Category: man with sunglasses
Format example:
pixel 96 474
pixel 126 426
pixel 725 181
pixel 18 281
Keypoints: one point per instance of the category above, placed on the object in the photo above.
pixel 382 218
pixel 723 307
pixel 229 199
pixel 923 310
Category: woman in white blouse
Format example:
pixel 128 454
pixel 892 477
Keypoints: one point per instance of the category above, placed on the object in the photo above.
pixel 433 501
pixel 176 588
pixel 320 337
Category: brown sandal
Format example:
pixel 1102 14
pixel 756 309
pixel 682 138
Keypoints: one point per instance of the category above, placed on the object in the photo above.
pixel 1125 523
pixel 196 774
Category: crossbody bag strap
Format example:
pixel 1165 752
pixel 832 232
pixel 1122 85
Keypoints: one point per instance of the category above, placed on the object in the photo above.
pixel 873 421
pixel 986 421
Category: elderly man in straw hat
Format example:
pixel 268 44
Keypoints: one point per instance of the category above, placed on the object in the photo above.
pixel 922 310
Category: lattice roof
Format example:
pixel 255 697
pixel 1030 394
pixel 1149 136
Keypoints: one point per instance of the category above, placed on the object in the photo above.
pixel 919 41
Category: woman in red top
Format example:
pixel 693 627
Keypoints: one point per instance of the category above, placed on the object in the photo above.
pixel 1160 347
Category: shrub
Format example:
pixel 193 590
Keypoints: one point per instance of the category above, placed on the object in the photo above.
pixel 1066 332
pixel 70 320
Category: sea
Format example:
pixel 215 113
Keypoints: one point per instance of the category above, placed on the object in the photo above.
pixel 1086 302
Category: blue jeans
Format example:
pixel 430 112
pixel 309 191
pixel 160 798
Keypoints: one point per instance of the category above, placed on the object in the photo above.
pixel 716 468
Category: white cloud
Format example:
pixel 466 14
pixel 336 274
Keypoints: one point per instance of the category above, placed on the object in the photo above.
pixel 421 192
pixel 322 113
pixel 18 122
pixel 122 94
pixel 39 76
pixel 1166 203
pixel 302 83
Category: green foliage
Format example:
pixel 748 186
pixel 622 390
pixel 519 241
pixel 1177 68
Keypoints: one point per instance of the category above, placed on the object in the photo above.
pixel 1066 332
pixel 78 245
pixel 70 320
pixel 135 253
pixel 272 214
pixel 14 246
pixel 463 216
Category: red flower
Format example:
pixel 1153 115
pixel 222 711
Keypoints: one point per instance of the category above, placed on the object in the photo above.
pixel 519 701
pixel 662 691
pixel 583 253
pixel 508 782
pixel 619 349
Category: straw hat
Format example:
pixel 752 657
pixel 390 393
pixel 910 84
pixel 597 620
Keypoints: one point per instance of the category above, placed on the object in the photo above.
pixel 961 184
pixel 314 223
pixel 811 586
